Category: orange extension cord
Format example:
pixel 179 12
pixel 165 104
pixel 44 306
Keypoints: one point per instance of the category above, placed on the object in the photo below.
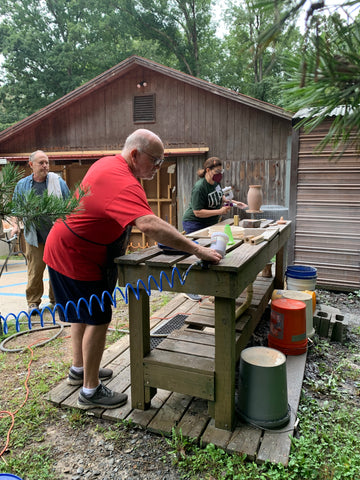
pixel 5 413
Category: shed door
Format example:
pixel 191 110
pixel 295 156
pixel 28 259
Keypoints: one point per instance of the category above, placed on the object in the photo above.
pixel 161 195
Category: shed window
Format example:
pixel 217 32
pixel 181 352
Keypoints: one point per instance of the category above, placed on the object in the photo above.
pixel 144 108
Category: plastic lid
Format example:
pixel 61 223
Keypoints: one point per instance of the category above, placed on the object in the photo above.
pixel 220 234
pixel 288 304
pixel 301 271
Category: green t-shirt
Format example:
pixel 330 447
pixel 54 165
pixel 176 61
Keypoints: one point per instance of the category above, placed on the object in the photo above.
pixel 204 196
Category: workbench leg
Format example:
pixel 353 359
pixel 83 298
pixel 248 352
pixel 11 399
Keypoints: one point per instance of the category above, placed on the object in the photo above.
pixel 139 326
pixel 224 363
pixel 281 261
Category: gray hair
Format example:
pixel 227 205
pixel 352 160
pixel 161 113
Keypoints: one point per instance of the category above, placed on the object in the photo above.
pixel 141 139
pixel 33 155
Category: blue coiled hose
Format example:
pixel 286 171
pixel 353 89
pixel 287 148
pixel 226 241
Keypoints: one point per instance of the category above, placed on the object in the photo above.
pixel 94 298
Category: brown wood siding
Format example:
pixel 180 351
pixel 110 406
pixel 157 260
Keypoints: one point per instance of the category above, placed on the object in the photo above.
pixel 251 142
pixel 327 234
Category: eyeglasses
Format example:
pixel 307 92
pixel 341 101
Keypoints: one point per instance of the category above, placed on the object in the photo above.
pixel 157 161
pixel 219 171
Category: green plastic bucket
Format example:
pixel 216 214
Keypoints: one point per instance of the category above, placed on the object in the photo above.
pixel 262 398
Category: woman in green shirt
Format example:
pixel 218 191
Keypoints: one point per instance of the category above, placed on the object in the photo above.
pixel 207 198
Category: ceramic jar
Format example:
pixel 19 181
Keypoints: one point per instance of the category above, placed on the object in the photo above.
pixel 254 198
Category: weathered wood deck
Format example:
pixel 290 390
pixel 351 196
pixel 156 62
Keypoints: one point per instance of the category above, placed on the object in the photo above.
pixel 190 414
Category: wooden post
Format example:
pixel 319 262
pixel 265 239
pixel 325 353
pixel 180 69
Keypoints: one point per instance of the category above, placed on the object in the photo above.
pixel 224 363
pixel 139 326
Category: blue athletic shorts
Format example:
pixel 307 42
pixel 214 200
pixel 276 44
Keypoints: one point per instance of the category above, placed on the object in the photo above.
pixel 81 301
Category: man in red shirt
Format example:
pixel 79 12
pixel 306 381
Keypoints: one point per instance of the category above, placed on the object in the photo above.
pixel 76 254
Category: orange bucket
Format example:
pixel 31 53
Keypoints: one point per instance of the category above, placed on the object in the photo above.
pixel 288 326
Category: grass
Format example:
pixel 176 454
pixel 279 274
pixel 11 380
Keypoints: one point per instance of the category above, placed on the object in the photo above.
pixel 326 447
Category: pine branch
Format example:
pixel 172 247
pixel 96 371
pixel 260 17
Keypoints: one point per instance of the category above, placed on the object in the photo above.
pixel 31 208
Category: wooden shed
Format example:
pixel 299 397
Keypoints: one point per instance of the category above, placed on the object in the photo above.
pixel 194 118
pixel 325 209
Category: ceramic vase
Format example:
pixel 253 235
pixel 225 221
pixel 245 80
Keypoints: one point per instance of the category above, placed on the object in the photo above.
pixel 254 198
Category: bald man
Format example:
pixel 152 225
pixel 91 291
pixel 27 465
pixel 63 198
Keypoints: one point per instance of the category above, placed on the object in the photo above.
pixel 76 253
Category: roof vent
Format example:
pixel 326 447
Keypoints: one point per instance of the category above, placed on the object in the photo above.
pixel 144 108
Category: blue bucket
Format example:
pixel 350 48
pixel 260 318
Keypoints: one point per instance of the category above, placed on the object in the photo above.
pixel 9 476
pixel 300 277
pixel 301 271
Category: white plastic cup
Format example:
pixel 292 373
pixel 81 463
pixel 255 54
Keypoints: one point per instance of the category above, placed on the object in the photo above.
pixel 219 241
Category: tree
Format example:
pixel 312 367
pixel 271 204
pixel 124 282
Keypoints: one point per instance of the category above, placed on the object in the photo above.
pixel 182 29
pixel 254 65
pixel 53 46
pixel 327 80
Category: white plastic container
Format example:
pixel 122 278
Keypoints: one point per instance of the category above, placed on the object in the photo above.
pixel 300 283
pixel 219 241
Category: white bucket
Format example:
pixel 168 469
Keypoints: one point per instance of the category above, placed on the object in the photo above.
pixel 300 283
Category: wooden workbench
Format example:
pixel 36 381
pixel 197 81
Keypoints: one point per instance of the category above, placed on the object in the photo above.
pixel 211 375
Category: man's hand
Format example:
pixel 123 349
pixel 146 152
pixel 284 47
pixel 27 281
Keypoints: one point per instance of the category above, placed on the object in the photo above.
pixel 208 254
pixel 15 227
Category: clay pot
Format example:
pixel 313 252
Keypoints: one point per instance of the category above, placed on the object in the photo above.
pixel 254 198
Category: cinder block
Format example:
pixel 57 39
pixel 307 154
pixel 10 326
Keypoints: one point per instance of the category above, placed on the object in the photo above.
pixel 338 328
pixel 321 321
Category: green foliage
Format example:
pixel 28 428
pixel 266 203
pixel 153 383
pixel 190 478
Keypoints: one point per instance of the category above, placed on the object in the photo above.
pixel 10 175
pixel 328 78
pixel 255 65
pixel 31 208
pixel 325 79
pixel 50 48
pixel 182 30
pixel 326 447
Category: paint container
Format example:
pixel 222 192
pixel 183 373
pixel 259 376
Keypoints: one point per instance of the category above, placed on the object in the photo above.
pixel 308 300
pixel 219 241
pixel 288 326
pixel 263 398
pixel 300 277
pixel 313 296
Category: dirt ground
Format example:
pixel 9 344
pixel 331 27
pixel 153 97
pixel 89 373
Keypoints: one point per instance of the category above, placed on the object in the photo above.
pixel 84 447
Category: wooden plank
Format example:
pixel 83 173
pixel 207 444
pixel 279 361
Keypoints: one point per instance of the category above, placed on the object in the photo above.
pixel 193 336
pixel 112 353
pixel 217 436
pixel 194 383
pixel 176 360
pixel 275 447
pixel 144 417
pixel 165 260
pixel 138 257
pixel 245 440
pixel 195 420
pixel 195 349
pixel 170 414
pixel 201 320
pixel 60 393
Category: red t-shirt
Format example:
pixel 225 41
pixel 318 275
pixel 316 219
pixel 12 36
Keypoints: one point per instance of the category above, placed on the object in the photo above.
pixel 115 200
